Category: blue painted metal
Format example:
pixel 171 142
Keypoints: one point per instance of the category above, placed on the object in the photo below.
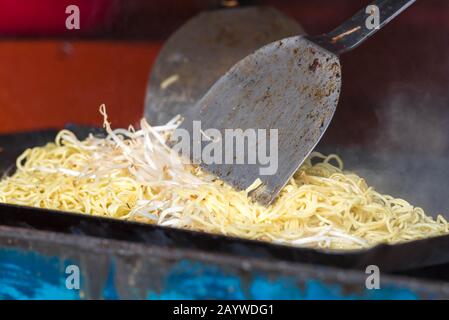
pixel 29 275
pixel 35 269
pixel 189 280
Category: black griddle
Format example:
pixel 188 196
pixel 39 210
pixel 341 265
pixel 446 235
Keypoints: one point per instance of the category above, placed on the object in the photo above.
pixel 407 258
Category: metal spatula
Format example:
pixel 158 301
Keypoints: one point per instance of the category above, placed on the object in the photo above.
pixel 204 49
pixel 292 86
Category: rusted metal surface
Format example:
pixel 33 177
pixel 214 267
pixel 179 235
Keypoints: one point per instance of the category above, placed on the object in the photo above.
pixel 291 86
pixel 33 260
pixel 204 49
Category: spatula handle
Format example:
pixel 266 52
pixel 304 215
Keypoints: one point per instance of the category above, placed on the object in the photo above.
pixel 356 30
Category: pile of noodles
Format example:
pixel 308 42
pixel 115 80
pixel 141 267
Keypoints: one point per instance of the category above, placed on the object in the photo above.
pixel 132 175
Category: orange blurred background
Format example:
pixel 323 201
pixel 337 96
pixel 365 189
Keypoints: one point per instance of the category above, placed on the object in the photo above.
pixel 47 83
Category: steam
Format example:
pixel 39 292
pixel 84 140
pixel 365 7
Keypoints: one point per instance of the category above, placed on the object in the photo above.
pixel 409 155
pixel 414 121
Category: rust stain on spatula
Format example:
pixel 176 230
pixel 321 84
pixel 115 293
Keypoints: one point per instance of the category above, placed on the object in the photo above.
pixel 290 89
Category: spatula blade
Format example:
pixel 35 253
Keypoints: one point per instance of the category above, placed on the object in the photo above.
pixel 203 50
pixel 291 86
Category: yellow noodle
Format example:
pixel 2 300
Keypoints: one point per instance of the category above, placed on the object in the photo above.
pixel 132 175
